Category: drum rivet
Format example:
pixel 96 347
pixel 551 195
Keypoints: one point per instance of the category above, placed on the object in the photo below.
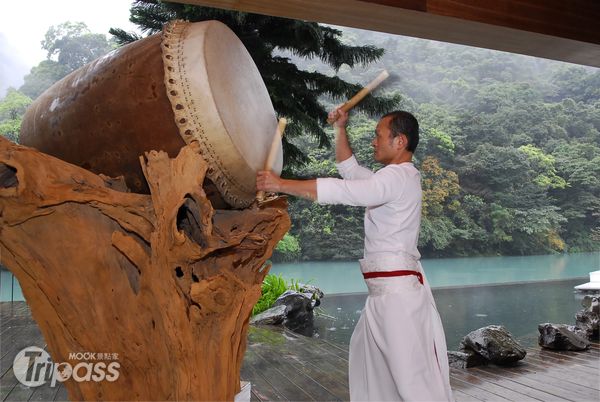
pixel 182 121
pixel 174 93
pixel 188 132
pixel 169 57
pixel 171 81
pixel 179 106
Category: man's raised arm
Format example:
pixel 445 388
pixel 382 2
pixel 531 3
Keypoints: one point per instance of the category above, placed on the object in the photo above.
pixel 342 146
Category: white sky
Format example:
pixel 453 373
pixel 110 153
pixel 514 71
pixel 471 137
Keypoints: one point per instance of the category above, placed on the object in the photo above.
pixel 23 24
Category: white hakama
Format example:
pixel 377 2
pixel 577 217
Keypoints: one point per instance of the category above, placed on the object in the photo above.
pixel 398 348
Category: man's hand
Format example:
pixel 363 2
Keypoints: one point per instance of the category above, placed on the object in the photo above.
pixel 269 181
pixel 266 180
pixel 342 146
pixel 339 116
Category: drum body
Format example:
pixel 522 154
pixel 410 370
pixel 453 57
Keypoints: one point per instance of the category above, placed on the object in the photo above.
pixel 193 82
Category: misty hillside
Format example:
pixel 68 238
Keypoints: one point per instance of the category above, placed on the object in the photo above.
pixel 509 153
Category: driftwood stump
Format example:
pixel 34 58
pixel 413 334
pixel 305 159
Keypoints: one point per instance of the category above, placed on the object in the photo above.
pixel 163 280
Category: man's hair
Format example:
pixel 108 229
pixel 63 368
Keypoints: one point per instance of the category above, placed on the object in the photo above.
pixel 402 122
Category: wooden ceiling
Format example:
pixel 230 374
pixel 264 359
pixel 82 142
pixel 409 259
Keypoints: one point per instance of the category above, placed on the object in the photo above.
pixel 566 30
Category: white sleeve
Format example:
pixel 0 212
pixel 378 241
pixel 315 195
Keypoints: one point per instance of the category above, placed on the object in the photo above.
pixel 351 170
pixel 384 186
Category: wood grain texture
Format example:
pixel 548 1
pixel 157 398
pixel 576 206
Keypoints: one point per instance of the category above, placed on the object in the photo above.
pixel 554 29
pixel 163 280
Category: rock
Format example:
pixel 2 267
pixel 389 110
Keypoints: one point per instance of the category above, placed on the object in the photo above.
pixel 591 303
pixel 466 359
pixel 272 316
pixel 494 343
pixel 579 331
pixel 588 318
pixel 299 316
pixel 294 301
pixel 560 337
pixel 313 292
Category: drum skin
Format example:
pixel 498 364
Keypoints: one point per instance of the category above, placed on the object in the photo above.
pixel 193 82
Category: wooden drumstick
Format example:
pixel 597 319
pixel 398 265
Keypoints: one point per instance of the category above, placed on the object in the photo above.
pixel 273 151
pixel 362 93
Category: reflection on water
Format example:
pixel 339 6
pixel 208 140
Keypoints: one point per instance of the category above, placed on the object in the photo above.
pixel 519 307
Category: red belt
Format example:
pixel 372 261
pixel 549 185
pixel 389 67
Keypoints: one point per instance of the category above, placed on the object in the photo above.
pixel 387 274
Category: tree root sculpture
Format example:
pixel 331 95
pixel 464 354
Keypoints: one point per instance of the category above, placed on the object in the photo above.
pixel 161 283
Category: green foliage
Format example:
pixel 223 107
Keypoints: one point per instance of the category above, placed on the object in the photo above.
pixel 69 46
pixel 72 44
pixel 547 177
pixel 509 154
pixel 41 77
pixel 288 249
pixel 273 286
pixel 12 108
pixel 276 45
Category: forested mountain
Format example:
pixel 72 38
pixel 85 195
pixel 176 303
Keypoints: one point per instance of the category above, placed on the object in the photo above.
pixel 509 151
pixel 509 154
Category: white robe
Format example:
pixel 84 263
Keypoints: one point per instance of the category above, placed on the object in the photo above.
pixel 398 348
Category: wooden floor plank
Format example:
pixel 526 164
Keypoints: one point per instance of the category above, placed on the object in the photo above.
pixel 61 394
pixel 298 360
pixel 477 391
pixel 44 393
pixel 556 360
pixel 282 366
pixel 282 384
pixel 581 378
pixel 587 363
pixel 261 386
pixel 328 362
pixel 544 383
pixel 460 396
pixel 311 386
pixel 526 392
pixel 29 336
pixel 254 397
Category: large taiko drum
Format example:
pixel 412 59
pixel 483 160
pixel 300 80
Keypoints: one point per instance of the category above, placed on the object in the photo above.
pixel 193 82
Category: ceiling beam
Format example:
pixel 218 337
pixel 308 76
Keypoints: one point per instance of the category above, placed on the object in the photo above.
pixel 566 30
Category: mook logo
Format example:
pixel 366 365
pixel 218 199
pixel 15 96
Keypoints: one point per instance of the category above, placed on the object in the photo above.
pixel 34 367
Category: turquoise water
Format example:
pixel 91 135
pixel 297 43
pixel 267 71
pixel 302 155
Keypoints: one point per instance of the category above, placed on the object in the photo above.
pixel 345 277
pixel 9 287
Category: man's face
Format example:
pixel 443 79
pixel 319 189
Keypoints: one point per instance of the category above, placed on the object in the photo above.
pixel 385 148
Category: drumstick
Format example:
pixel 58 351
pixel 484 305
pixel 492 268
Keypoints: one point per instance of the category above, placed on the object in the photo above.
pixel 362 93
pixel 273 151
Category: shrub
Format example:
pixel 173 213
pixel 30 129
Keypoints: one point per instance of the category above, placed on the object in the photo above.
pixel 273 286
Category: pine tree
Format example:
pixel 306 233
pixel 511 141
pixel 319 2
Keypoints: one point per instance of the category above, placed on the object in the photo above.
pixel 295 93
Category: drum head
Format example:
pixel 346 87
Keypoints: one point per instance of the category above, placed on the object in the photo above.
pixel 219 99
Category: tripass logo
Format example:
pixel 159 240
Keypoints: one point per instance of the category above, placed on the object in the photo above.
pixel 34 367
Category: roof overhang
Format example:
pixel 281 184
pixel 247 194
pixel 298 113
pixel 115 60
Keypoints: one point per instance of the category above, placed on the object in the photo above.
pixel 554 29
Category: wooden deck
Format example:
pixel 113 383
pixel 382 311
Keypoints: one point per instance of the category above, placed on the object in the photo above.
pixel 283 366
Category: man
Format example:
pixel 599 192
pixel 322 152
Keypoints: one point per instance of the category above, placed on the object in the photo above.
pixel 398 348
